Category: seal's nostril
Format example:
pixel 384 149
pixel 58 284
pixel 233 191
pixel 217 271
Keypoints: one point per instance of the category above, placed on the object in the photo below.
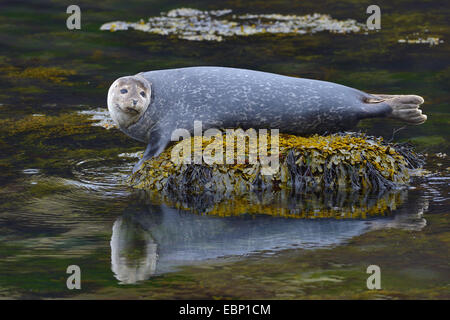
pixel 134 102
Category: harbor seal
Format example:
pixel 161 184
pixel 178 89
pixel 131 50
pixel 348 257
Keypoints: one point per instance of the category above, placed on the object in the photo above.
pixel 149 106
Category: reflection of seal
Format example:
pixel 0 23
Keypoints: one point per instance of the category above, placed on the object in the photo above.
pixel 133 252
pixel 150 105
pixel 156 239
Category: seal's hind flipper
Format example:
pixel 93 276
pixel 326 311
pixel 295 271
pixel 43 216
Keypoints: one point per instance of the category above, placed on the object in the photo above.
pixel 404 107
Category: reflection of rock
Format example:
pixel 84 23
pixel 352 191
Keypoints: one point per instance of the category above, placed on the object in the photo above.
pixel 133 252
pixel 184 238
pixel 284 203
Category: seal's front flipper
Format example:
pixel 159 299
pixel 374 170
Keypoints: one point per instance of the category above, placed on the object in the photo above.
pixel 404 107
pixel 150 151
pixel 154 149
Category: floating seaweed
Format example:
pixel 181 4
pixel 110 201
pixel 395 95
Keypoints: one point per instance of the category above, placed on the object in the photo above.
pixel 196 25
pixel 100 118
pixel 432 41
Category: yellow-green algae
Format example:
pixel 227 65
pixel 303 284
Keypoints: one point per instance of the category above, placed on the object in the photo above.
pixel 338 161
pixel 46 126
pixel 51 74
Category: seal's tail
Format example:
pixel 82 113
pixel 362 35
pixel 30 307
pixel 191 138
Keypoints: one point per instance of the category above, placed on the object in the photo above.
pixel 404 107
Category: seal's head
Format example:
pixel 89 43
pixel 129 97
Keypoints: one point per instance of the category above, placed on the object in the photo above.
pixel 128 98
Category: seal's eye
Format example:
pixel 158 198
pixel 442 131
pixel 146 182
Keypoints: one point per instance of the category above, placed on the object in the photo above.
pixel 143 94
pixel 123 91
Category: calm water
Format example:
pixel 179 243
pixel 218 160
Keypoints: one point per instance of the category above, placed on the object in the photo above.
pixel 62 195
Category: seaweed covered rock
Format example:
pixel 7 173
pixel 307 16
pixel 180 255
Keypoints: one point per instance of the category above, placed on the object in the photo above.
pixel 346 161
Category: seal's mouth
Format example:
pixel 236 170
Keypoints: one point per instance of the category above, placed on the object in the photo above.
pixel 132 110
pixel 128 110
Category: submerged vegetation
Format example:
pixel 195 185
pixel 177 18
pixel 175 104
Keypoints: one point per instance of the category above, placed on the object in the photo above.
pixel 53 143
pixel 52 74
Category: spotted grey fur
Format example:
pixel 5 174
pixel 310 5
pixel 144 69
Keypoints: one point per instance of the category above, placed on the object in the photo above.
pixel 237 98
